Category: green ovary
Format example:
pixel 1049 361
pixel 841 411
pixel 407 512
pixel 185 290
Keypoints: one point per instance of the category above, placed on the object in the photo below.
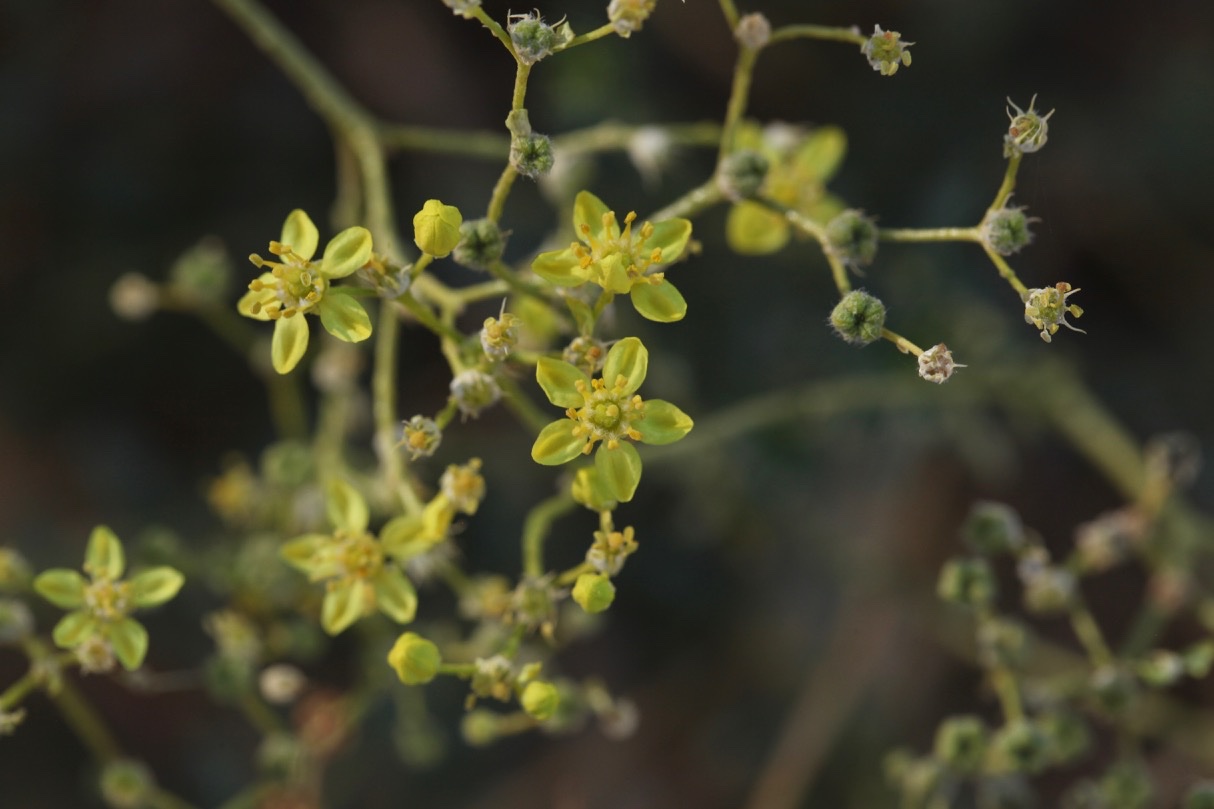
pixel 608 414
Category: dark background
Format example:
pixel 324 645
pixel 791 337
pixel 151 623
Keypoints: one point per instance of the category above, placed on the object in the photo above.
pixel 129 130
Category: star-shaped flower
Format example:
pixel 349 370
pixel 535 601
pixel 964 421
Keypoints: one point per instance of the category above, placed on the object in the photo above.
pixel 620 261
pixel 608 412
pixel 294 285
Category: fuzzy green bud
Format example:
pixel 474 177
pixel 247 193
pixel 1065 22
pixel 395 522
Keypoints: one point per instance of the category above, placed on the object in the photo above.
pixel 421 437
pixel 1028 131
pixel 481 244
pixel 533 38
pixel 742 174
pixel 1020 746
pixel 961 743
pixel 126 784
pixel 858 318
pixel 886 52
pixel 1006 230
pixel 540 699
pixel 436 228
pixel 1200 796
pixel 474 391
pixel 852 238
pixel 532 155
pixel 967 582
pixel 414 659
pixel 993 528
pixel 593 592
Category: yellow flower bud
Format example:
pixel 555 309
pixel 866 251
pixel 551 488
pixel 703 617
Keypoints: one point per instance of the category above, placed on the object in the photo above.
pixel 415 659
pixel 593 592
pixel 540 700
pixel 436 228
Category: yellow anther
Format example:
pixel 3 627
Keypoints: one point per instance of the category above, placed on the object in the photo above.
pixel 646 230
pixel 255 308
pixel 656 256
pixel 312 297
pixel 586 450
pixel 279 249
pixel 257 260
pixel 279 270
pixel 630 217
pixel 290 311
pixel 634 433
pixel 612 443
pixel 620 381
pixel 256 285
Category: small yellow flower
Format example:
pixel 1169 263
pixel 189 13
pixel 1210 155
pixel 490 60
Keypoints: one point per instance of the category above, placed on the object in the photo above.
pixel 295 285
pixel 1047 308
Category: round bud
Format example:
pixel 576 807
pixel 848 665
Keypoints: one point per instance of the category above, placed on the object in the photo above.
pixel 858 318
pixel 532 37
pixel 741 174
pixel 474 391
pixel 14 570
pixel 753 31
pixel 422 437
pixel 961 743
pixel 480 727
pixel 852 238
pixel 414 659
pixel 481 244
pixel 593 592
pixel 993 528
pixel 540 699
pixel 1007 230
pixel 1028 131
pixel 531 155
pixel 628 16
pixel 126 784
pixel 967 582
pixel 436 228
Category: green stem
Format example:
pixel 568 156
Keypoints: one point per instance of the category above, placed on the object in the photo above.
pixel 383 391
pixel 581 39
pixel 461 670
pixel 494 28
pixel 1006 272
pixel 487 145
pixel 521 405
pixel 738 95
pixel 570 576
pixel 694 202
pixel 535 529
pixel 904 345
pixel 87 723
pixel 1090 636
pixel 1009 182
pixel 501 190
pixel 838 270
pixel 823 32
pixel 428 319
pixel 930 234
pixel 507 276
pixel 609 136
pixel 731 13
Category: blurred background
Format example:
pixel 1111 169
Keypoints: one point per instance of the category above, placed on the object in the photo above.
pixel 766 576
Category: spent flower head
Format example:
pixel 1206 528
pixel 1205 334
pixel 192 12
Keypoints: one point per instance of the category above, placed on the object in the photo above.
pixel 294 285
pixel 1027 132
pixel 102 604
pixel 936 364
pixel 1047 308
pixel 620 260
pixel 886 51
pixel 606 412
pixel 358 576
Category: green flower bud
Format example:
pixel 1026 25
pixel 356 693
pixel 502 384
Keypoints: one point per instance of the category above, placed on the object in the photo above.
pixel 202 273
pixel 1200 796
pixel 886 51
pixel 422 437
pixel 540 699
pixel 741 174
pixel 14 571
pixel 474 391
pixel 532 37
pixel 961 743
pixel 1020 746
pixel 627 16
pixel 593 592
pixel 480 727
pixel 531 155
pixel 436 228
pixel 993 528
pixel 16 620
pixel 858 318
pixel 1126 785
pixel 415 659
pixel 967 582
pixel 1198 659
pixel 1006 230
pixel 481 244
pixel 753 31
pixel 126 784
pixel 1002 642
pixel 1161 668
pixel 852 238
pixel 1028 131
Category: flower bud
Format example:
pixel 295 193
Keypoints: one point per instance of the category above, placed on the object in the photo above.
pixel 540 699
pixel 961 743
pixel 967 582
pixel 1113 689
pixel 886 51
pixel 474 391
pixel 585 353
pixel 499 336
pixel 741 174
pixel 481 244
pixel 126 784
pixel 852 238
pixel 627 16
pixel 480 727
pixel 422 437
pixel 533 38
pixel 531 155
pixel 993 528
pixel 16 620
pixel 936 364
pixel 464 485
pixel 436 228
pixel 858 318
pixel 1028 131
pixel 1007 230
pixel 1161 668
pixel 415 659
pixel 203 272
pixel 593 592
pixel 753 31
pixel 134 297
pixel 1020 746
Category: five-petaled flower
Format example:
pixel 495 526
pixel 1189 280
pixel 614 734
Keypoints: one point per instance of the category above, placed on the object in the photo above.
pixel 360 580
pixel 608 412
pixel 295 285
pixel 101 605
pixel 620 261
